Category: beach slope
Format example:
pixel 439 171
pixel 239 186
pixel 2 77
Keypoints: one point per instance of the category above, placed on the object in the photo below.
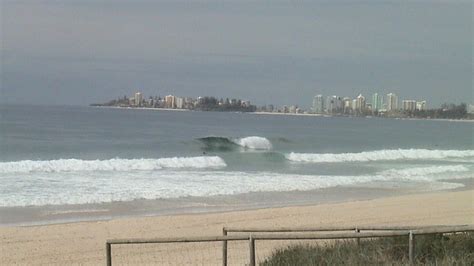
pixel 84 242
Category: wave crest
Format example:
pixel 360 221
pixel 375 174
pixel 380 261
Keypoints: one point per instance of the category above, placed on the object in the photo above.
pixel 228 144
pixel 381 155
pixel 255 143
pixel 76 165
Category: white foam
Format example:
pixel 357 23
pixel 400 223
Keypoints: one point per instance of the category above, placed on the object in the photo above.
pixel 77 165
pixel 254 142
pixel 429 171
pixel 381 155
pixel 97 186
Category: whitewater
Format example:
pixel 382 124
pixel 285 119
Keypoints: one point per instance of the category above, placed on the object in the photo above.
pixel 77 165
pixel 53 157
pixel 382 155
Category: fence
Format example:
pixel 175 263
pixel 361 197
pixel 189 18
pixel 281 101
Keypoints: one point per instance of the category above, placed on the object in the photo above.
pixel 302 233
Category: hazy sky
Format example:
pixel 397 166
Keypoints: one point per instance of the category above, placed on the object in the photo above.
pixel 282 52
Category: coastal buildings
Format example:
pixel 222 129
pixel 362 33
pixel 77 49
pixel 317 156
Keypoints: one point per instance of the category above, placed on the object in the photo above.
pixel 331 105
pixel 170 101
pixel 392 102
pixel 409 105
pixel 360 104
pixel 318 104
pixel 347 105
pixel 138 99
pixel 179 102
pixel 421 106
pixel 377 101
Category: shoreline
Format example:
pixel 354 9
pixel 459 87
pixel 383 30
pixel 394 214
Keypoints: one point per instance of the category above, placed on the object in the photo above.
pixel 30 216
pixel 288 114
pixel 141 108
pixel 370 117
pixel 83 242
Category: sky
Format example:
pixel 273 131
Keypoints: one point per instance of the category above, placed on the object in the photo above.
pixel 71 52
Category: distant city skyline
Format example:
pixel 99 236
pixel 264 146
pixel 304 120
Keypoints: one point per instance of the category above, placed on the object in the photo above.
pixel 389 106
pixel 79 52
pixel 321 104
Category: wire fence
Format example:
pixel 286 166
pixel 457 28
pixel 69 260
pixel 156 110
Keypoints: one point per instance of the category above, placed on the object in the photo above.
pixel 251 246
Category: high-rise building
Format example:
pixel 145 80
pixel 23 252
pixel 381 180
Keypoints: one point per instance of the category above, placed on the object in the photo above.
pixel 392 102
pixel 318 104
pixel 170 101
pixel 347 105
pixel 138 99
pixel 421 106
pixel 409 105
pixel 179 102
pixel 333 104
pixel 360 103
pixel 376 102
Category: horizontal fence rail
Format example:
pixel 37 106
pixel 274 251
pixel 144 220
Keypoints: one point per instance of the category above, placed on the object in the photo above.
pixel 310 233
pixel 175 240
pixel 325 229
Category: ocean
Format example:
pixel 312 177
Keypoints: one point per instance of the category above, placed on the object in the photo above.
pixel 63 163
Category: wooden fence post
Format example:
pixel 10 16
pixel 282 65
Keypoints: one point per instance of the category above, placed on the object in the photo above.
pixel 108 248
pixel 357 230
pixel 411 247
pixel 252 251
pixel 224 248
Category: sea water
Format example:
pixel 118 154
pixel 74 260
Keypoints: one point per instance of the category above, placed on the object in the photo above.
pixel 57 156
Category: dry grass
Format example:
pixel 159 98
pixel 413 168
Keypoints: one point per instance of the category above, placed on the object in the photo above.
pixel 455 249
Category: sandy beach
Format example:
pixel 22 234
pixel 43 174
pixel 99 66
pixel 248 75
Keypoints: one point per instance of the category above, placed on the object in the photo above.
pixel 84 242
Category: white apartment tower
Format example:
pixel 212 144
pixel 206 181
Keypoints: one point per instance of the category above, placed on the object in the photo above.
pixel 392 102
pixel 360 103
pixel 318 104
pixel 421 106
pixel 377 101
pixel 333 104
pixel 138 99
pixel 409 105
pixel 179 102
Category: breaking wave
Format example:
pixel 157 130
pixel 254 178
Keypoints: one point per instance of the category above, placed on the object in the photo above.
pixel 381 155
pixel 228 144
pixel 97 187
pixel 77 165
pixel 255 143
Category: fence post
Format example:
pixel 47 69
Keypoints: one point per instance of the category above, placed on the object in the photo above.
pixel 357 230
pixel 108 252
pixel 411 247
pixel 252 251
pixel 224 248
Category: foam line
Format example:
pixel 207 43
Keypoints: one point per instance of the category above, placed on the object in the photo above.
pixel 381 155
pixel 77 165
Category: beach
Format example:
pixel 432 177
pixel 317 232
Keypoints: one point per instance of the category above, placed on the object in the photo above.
pixel 73 177
pixel 84 242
